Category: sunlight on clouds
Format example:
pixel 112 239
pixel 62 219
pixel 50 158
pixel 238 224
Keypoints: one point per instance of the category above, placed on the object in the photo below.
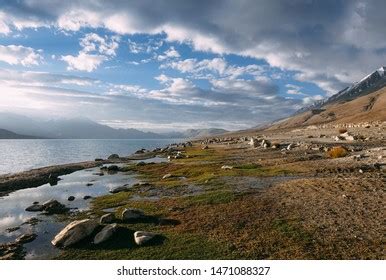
pixel 25 56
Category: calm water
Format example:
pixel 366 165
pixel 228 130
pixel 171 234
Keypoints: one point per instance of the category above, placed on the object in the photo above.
pixel 13 214
pixel 21 155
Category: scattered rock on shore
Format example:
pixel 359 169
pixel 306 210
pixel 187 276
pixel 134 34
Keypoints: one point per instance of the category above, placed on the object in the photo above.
pixel 74 232
pixel 35 208
pixel 26 238
pixel 105 234
pixel 107 218
pixel 54 207
pixel 132 213
pixel 142 237
pixel 71 198
pixel 123 188
pixel 113 156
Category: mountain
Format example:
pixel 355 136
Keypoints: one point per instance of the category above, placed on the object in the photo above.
pixel 6 134
pixel 83 128
pixel 196 133
pixel 367 85
pixel 364 101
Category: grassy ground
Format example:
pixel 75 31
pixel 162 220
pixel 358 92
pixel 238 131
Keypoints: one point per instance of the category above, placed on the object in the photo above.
pixel 214 213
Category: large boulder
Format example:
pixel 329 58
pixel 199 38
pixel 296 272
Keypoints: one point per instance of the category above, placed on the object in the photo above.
pixel 74 232
pixel 54 207
pixel 105 234
pixel 142 237
pixel 131 213
pixel 107 218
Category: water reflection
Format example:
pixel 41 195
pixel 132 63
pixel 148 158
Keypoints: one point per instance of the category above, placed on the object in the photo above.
pixel 13 214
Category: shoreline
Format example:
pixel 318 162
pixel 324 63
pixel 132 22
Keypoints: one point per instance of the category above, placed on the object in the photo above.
pixel 222 198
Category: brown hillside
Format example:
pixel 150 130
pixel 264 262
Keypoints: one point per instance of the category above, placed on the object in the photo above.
pixel 369 108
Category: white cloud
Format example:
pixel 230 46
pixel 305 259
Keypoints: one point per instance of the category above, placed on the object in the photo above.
pixel 169 54
pixel 20 55
pixel 96 50
pixel 92 42
pixel 83 61
pixel 294 89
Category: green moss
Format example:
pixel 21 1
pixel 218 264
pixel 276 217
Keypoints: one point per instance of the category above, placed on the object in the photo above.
pixel 211 197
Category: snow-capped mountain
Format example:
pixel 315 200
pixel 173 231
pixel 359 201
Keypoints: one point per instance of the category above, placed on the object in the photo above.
pixel 367 85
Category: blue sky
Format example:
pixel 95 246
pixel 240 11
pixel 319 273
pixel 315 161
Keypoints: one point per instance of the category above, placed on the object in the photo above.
pixel 173 65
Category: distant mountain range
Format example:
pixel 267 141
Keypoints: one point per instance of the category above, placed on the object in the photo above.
pixel 367 85
pixel 364 101
pixel 6 134
pixel 81 128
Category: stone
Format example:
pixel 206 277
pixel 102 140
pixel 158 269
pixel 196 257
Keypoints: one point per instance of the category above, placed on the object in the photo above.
pixel 89 184
pixel 205 147
pixel 107 218
pixel 226 167
pixel 35 208
pixel 167 176
pixel 132 213
pixel 105 234
pixel 113 168
pixel 254 143
pixel 290 147
pixel 54 207
pixel 113 156
pixel 26 238
pixel 86 197
pixel 123 188
pixel 71 198
pixel 142 237
pixel 74 232
pixel 141 163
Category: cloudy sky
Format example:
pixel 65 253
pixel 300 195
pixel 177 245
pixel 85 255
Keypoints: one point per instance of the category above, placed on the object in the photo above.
pixel 167 65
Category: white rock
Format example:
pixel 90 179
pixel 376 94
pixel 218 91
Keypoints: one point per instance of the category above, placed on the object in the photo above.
pixel 105 234
pixel 166 176
pixel 131 213
pixel 142 237
pixel 226 167
pixel 74 232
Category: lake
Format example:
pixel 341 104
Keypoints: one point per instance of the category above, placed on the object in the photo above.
pixel 22 155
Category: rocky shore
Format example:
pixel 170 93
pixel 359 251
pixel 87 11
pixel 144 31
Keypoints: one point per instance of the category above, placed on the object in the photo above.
pixel 305 193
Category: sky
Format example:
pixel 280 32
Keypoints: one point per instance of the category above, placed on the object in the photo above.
pixel 172 65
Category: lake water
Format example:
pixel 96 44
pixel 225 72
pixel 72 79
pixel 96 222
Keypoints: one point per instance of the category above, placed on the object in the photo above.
pixel 78 184
pixel 21 155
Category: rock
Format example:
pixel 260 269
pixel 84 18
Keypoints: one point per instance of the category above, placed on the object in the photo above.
pixel 35 208
pixel 226 167
pixel 113 168
pixel 132 213
pixel 123 188
pixel 265 144
pixel 276 146
pixel 26 238
pixel 205 147
pixel 74 232
pixel 350 138
pixel 113 156
pixel 254 143
pixel 86 197
pixel 35 202
pixel 12 229
pixel 71 198
pixel 89 184
pixel 54 207
pixel 167 176
pixel 290 147
pixel 99 159
pixel 141 163
pixel 105 234
pixel 107 218
pixel 142 237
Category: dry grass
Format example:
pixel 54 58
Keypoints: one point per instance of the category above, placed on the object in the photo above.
pixel 337 152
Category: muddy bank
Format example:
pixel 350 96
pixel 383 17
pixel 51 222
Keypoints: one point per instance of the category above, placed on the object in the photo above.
pixel 37 177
